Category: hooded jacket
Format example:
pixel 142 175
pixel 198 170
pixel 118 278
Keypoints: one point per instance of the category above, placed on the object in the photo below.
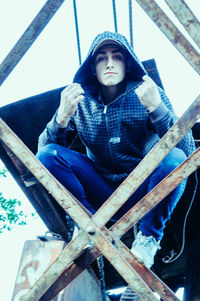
pixel 117 136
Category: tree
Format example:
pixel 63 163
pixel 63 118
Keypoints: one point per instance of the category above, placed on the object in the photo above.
pixel 10 211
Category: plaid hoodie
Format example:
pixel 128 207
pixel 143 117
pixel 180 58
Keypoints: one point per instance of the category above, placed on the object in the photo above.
pixel 118 135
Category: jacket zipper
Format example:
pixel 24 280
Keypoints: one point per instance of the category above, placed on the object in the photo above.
pixel 106 119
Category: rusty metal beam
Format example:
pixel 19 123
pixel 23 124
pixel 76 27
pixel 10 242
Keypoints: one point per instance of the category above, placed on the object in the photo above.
pixel 28 37
pixel 171 32
pixel 144 169
pixel 187 18
pixel 91 254
pixel 118 254
pixel 70 204
pixel 71 272
pixel 126 222
pixel 158 193
pixel 72 250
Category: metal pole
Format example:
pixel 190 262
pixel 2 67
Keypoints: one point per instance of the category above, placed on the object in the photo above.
pixel 171 32
pixel 28 37
pixel 187 18
pixel 114 15
pixel 77 32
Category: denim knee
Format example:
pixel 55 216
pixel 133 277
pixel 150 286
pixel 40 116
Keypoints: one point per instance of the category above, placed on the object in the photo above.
pixel 47 155
pixel 173 159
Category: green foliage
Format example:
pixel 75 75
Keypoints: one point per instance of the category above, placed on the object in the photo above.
pixel 3 172
pixel 10 211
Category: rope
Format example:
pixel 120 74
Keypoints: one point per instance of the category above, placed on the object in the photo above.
pixel 77 31
pixel 114 15
pixel 130 21
pixel 171 257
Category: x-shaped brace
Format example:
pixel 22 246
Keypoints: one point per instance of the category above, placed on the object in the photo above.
pixel 142 280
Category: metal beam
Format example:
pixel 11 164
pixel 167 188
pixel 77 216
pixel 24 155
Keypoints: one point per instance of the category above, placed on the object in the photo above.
pixel 148 164
pixel 187 18
pixel 78 214
pixel 28 37
pixel 125 223
pixel 157 194
pixel 136 214
pixel 171 32
pixel 71 205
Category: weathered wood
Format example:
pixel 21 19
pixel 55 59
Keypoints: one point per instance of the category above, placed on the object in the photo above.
pixel 36 257
pixel 71 251
pixel 171 181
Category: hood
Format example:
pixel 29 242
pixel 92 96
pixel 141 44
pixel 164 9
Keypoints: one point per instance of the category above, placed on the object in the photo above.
pixel 84 74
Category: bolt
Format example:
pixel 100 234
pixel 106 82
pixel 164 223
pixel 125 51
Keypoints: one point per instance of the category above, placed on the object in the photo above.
pixel 91 230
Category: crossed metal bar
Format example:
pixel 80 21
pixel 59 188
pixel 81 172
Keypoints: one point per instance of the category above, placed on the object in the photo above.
pixel 178 40
pixel 105 241
pixel 28 37
pixel 187 18
pixel 172 32
pixel 142 280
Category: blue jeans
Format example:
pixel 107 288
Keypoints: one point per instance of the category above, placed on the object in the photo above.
pixel 75 171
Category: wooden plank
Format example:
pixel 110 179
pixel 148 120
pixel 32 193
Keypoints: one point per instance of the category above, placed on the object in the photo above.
pixel 71 251
pixel 36 257
pixel 71 272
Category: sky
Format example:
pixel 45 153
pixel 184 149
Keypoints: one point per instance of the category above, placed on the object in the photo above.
pixel 51 63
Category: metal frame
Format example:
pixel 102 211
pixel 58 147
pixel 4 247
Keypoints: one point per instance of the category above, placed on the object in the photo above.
pixel 92 227
pixel 28 37
pixel 107 242
pixel 187 18
pixel 174 35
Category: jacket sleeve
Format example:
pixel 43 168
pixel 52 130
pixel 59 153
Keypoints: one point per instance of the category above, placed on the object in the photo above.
pixel 164 117
pixel 53 133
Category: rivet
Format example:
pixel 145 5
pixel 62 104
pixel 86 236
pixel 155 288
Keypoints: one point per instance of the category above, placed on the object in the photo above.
pixel 91 230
